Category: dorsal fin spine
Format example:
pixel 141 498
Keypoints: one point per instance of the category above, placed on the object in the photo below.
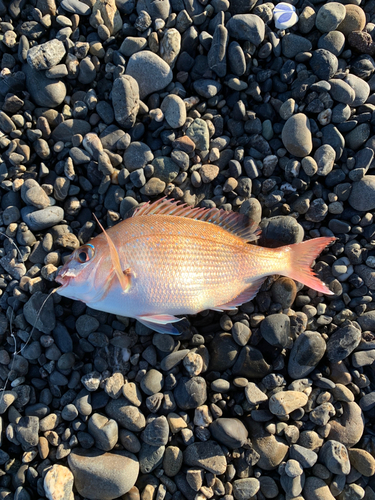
pixel 233 222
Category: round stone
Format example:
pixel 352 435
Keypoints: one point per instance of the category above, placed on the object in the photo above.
pixel 324 64
pixel 355 19
pixel 275 329
pixel 296 135
pixel 247 27
pixel 152 382
pixel 43 91
pixel 363 461
pixel 284 291
pixel 362 195
pixel 329 16
pixel 246 488
pixel 307 351
pixel 103 476
pixel 348 428
pixel 174 110
pixel 150 71
pixel 58 483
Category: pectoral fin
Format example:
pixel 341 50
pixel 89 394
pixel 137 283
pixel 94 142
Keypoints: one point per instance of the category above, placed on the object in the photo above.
pixel 161 323
pixel 122 276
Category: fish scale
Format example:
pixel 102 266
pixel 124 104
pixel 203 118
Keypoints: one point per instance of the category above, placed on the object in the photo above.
pixel 182 255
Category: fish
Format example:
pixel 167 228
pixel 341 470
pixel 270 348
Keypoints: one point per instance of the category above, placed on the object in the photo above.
pixel 169 259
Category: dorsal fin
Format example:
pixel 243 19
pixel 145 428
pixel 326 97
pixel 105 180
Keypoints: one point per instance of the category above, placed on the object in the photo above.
pixel 233 222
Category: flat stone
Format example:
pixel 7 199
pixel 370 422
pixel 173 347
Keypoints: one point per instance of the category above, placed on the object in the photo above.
pixel 246 488
pixel 43 91
pixel 38 220
pixel 103 476
pixel 342 343
pixel 207 455
pixel 73 126
pixel 284 402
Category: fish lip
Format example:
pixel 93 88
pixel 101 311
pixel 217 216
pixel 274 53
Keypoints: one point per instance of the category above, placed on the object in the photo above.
pixel 62 279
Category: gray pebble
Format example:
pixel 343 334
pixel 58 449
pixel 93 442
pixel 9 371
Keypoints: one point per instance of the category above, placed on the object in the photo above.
pixel 150 72
pixel 246 27
pixel 230 432
pixel 46 55
pixel 44 91
pixel 125 100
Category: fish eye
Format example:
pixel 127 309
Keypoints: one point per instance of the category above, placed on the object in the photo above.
pixel 86 253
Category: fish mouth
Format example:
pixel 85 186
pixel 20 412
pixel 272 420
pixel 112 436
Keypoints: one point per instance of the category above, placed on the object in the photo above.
pixel 63 277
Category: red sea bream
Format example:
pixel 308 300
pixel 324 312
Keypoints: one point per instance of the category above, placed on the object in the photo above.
pixel 170 260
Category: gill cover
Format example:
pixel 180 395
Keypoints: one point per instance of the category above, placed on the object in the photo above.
pixel 124 281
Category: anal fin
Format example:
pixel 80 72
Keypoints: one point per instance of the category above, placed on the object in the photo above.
pixel 161 323
pixel 245 296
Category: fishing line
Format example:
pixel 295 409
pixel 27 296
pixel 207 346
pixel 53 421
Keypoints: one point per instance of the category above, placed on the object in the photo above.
pixel 15 353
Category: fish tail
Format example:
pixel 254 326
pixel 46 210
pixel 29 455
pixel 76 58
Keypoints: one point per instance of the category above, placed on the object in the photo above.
pixel 300 258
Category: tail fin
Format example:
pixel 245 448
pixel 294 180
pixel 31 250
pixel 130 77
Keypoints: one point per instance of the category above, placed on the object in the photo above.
pixel 301 258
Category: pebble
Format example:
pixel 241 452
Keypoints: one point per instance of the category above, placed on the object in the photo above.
pixel 330 16
pixel 58 483
pixel 128 416
pixel 307 351
pixel 174 110
pixel 247 27
pixel 275 329
pixel 172 461
pixel 271 449
pixel 230 432
pixel 284 402
pixel 207 455
pixel 245 488
pixel 362 194
pixel 46 55
pixel 363 461
pixel 104 431
pixel 355 20
pixel 99 475
pixel 296 135
pixel 190 393
pixel 334 456
pixel 348 428
pixel 150 71
pixel 316 489
pixel 342 343
pixel 125 100
pixel 43 91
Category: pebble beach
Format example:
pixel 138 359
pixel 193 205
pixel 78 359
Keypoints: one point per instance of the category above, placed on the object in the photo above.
pixel 261 108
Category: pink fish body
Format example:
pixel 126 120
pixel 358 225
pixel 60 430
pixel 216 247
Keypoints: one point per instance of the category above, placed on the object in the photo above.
pixel 169 259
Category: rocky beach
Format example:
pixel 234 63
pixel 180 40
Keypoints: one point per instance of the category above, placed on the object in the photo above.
pixel 260 108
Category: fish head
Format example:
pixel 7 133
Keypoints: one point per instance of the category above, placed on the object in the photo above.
pixel 86 274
